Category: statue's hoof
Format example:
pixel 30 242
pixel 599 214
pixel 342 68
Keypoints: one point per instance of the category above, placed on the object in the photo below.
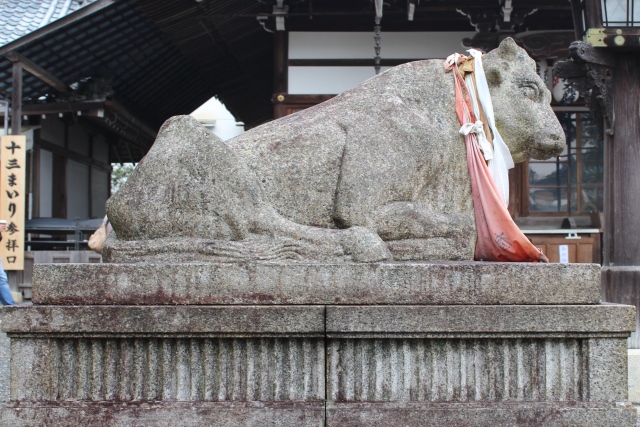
pixel 364 245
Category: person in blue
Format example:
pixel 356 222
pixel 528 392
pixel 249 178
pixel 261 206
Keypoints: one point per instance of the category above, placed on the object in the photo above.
pixel 5 291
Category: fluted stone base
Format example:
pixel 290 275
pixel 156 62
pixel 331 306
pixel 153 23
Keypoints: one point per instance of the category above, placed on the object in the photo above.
pixel 317 365
pixel 164 414
pixel 244 414
pixel 537 414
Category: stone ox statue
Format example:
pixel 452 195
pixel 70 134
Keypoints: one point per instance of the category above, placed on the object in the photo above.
pixel 377 173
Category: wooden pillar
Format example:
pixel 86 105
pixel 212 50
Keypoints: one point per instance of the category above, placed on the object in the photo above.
pixel 16 99
pixel 280 72
pixel 621 270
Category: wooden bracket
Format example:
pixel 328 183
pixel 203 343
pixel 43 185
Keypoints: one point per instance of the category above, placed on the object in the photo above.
pixel 591 70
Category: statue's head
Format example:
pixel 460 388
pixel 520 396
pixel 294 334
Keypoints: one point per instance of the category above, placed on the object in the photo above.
pixel 521 103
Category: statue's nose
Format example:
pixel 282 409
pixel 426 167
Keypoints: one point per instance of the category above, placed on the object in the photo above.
pixel 556 140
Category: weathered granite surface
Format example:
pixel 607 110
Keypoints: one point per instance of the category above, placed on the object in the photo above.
pixel 185 319
pixel 475 370
pixel 377 173
pixel 318 344
pixel 368 351
pixel 486 414
pixel 316 283
pixel 610 320
pixel 164 414
pixel 244 414
pixel 283 365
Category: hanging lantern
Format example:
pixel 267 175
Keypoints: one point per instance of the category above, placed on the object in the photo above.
pixel 612 23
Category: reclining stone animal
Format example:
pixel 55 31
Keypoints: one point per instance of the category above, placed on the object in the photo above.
pixel 377 173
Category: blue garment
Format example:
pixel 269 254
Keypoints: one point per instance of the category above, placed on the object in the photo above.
pixel 5 291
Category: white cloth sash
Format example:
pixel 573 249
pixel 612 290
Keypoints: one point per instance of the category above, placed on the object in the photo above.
pixel 485 145
pixel 502 161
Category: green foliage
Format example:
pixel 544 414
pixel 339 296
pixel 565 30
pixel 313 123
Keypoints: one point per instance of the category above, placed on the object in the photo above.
pixel 120 172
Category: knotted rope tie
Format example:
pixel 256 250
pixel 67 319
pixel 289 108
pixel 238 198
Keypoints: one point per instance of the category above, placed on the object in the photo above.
pixel 476 128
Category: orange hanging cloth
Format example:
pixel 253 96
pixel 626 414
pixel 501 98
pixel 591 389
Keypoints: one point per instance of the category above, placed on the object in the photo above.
pixel 499 238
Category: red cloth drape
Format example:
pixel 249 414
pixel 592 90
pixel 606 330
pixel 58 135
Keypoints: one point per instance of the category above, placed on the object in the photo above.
pixel 499 238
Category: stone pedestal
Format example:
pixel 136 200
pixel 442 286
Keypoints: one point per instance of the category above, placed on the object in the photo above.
pixel 310 344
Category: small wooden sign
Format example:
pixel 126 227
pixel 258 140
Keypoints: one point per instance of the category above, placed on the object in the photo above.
pixel 13 164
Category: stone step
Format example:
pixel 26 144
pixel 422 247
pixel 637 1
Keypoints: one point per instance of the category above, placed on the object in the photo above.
pixel 611 320
pixel 276 283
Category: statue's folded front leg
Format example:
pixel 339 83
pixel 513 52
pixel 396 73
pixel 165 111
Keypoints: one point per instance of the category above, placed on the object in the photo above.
pixel 413 231
pixel 356 243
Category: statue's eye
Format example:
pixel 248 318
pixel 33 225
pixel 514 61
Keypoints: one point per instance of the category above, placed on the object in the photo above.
pixel 530 90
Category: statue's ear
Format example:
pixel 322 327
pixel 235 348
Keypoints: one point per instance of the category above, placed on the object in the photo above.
pixel 508 48
pixel 494 76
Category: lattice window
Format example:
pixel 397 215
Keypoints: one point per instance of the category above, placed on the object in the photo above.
pixel 571 183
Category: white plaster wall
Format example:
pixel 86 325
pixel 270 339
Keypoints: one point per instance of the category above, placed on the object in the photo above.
pixel 77 190
pixel 46 183
pixel 227 129
pixel 327 80
pixel 99 191
pixel 404 45
pixel 334 80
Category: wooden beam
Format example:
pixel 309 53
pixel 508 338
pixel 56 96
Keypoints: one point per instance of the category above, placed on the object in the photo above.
pixel 62 107
pixel 363 62
pixel 570 109
pixel 299 99
pixel 35 177
pixel 16 99
pixel 126 144
pixel 280 57
pixel 593 14
pixel 114 147
pixel 37 71
pixel 123 113
pixel 72 155
pixel 576 14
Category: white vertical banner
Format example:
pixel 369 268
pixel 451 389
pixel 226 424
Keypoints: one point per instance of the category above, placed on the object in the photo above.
pixel 13 164
pixel 563 252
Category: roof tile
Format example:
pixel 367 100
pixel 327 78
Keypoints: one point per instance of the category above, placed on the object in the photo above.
pixel 21 17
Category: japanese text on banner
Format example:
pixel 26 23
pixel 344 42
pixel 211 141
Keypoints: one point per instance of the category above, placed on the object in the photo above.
pixel 13 200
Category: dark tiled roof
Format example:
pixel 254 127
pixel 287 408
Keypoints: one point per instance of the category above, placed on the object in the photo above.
pixel 160 66
pixel 21 17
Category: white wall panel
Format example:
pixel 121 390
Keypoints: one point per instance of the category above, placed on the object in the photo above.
pixel 327 80
pixel 418 45
pixel 333 80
